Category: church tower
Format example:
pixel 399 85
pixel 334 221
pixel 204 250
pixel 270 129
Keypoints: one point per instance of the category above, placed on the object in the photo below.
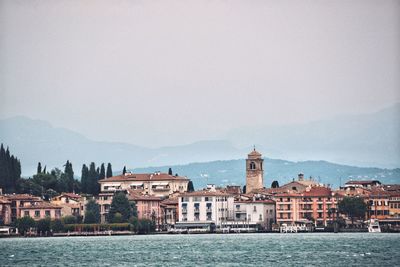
pixel 254 171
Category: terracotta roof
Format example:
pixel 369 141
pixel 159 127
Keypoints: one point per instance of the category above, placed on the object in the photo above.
pixel 255 153
pixel 70 195
pixel 392 187
pixel 4 201
pixel 21 197
pixel 206 193
pixel 363 182
pixel 41 205
pixel 170 201
pixel 137 197
pixel 379 192
pixel 143 177
pixel 268 201
pixel 318 191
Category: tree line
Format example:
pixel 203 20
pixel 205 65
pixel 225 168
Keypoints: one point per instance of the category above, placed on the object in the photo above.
pixel 10 171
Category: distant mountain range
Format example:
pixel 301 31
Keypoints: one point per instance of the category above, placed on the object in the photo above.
pixel 232 172
pixel 363 140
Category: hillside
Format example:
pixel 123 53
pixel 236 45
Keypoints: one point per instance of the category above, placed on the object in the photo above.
pixel 232 172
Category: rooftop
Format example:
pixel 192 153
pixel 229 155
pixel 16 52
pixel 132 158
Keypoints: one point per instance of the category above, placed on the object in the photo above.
pixel 143 177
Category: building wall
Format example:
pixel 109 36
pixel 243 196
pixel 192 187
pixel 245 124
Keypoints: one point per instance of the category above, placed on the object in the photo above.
pixel 216 209
pixel 5 213
pixel 40 213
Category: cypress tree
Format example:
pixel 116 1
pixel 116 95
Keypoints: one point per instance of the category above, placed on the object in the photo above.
pixel 109 170
pixel 190 187
pixel 84 179
pixel 170 171
pixel 39 168
pixel 124 170
pixel 10 170
pixel 69 173
pixel 102 174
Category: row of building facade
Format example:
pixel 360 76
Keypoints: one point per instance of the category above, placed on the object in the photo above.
pixel 164 199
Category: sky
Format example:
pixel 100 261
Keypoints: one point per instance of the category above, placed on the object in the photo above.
pixel 160 73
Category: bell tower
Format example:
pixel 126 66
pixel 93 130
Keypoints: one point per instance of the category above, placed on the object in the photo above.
pixel 254 171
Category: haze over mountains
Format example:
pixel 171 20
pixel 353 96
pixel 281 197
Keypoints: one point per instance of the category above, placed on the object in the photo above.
pixel 363 140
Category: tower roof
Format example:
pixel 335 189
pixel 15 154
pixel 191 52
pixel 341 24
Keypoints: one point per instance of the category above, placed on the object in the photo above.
pixel 254 154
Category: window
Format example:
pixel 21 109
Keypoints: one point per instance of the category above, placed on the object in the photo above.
pixel 288 199
pixel 206 199
pixel 237 206
pixel 209 217
pixel 196 207
pixel 208 207
pixel 26 213
pixel 47 213
pixel 260 218
pixel 197 199
pixel 37 213
pixel 254 208
pixel 185 199
pixel 252 166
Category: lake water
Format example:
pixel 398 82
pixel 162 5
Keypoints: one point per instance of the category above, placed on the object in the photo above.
pixel 315 249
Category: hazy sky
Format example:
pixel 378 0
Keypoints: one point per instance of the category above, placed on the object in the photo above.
pixel 172 72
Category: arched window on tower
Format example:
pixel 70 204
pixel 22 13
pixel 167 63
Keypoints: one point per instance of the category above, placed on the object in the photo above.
pixel 252 166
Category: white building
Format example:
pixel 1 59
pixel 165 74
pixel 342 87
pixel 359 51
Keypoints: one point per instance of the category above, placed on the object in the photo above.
pixel 205 209
pixel 255 213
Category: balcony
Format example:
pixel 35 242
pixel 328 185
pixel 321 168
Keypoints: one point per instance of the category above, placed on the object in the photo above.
pixel 184 210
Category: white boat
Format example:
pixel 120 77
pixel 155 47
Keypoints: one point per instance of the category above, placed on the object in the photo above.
pixel 373 226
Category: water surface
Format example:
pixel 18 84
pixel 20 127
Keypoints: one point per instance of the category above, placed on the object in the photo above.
pixel 315 249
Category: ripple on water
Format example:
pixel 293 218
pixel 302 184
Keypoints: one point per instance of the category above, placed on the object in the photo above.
pixel 204 250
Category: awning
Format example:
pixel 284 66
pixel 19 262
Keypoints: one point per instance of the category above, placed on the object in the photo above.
pixel 136 183
pixel 159 183
pixel 113 185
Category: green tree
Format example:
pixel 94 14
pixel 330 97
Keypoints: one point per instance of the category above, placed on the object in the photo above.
pixel 69 219
pixel 10 171
pixel 43 226
pixel 244 189
pixel 120 204
pixel 275 184
pixel 124 170
pixel 353 207
pixel 39 168
pixel 69 176
pixel 170 171
pixel 109 170
pixel 93 187
pixel 190 187
pixel 84 179
pixel 57 226
pixel 92 214
pixel 102 172
pixel 24 224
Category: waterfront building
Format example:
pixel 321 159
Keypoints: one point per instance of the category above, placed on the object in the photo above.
pixel 254 171
pixel 5 210
pixel 205 208
pixel 378 204
pixel 170 211
pixel 147 206
pixel 157 183
pixel 41 210
pixel 18 201
pixel 314 204
pixel 71 204
pixel 257 213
